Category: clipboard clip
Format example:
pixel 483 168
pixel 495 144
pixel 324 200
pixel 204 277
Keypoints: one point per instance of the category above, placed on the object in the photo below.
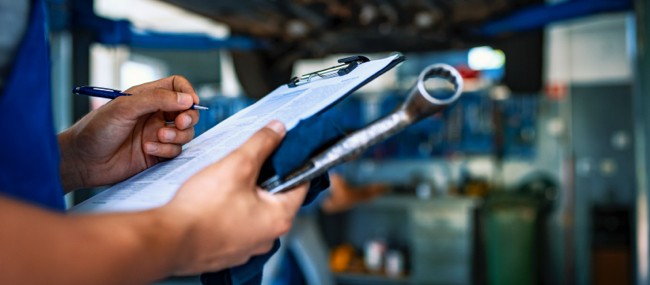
pixel 347 65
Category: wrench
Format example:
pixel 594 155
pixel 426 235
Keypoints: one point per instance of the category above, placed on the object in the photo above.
pixel 420 103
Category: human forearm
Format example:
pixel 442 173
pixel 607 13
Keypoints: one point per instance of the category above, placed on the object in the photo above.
pixel 219 218
pixel 51 248
pixel 70 169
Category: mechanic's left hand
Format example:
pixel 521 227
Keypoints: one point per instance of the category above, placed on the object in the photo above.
pixel 129 134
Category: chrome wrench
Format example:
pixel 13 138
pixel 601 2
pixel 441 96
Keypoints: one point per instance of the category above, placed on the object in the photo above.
pixel 421 102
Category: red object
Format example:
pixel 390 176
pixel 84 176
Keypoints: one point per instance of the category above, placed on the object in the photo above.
pixel 556 90
pixel 468 73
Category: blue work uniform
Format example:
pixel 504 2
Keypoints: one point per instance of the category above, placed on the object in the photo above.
pixel 29 152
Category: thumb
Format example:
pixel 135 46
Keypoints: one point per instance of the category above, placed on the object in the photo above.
pixel 259 146
pixel 136 105
pixel 290 201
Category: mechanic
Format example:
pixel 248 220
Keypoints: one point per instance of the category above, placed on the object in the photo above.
pixel 219 217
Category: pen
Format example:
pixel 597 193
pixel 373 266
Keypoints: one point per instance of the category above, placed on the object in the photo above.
pixel 112 94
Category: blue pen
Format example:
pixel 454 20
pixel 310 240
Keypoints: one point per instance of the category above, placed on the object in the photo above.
pixel 112 94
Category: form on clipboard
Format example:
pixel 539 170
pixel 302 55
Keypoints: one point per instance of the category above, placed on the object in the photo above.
pixel 303 97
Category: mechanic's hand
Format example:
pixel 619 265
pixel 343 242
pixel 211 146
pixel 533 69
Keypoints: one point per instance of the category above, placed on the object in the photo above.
pixel 232 218
pixel 343 196
pixel 129 134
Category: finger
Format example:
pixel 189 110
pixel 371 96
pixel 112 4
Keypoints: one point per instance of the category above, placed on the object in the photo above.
pixel 186 119
pixel 263 248
pixel 175 82
pixel 132 107
pixel 259 146
pixel 338 184
pixel 162 150
pixel 175 136
pixel 290 200
pixel 180 84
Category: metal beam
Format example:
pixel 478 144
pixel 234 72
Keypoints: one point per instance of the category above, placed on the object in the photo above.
pixel 642 137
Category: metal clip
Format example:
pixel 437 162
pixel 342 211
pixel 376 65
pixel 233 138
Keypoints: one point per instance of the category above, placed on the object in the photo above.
pixel 347 65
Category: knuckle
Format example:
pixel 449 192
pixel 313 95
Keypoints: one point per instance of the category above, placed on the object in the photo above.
pixel 242 260
pixel 265 139
pixel 242 162
pixel 179 78
pixel 162 134
pixel 170 151
pixel 175 150
pixel 266 247
pixel 189 134
pixel 246 168
pixel 180 82
pixel 284 225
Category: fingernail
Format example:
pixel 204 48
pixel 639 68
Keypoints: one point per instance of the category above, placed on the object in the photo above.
pixel 169 135
pixel 150 148
pixel 277 127
pixel 186 121
pixel 184 99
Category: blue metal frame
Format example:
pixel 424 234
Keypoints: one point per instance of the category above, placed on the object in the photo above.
pixel 122 32
pixel 539 16
pixel 66 14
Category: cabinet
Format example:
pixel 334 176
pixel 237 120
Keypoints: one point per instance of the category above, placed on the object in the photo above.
pixel 437 234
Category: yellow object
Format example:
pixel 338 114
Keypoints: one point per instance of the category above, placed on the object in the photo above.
pixel 341 257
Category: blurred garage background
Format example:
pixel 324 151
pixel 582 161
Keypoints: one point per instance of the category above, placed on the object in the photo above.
pixel 538 175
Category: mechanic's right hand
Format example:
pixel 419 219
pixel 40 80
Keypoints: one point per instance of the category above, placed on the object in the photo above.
pixel 230 218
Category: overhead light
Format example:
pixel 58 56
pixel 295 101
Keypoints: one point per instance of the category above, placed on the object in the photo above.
pixel 485 57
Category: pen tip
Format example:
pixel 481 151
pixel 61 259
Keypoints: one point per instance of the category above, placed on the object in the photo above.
pixel 197 107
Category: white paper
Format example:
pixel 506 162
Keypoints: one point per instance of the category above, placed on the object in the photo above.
pixel 157 185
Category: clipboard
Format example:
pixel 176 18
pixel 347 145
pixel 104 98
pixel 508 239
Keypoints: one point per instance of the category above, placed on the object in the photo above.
pixel 157 185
